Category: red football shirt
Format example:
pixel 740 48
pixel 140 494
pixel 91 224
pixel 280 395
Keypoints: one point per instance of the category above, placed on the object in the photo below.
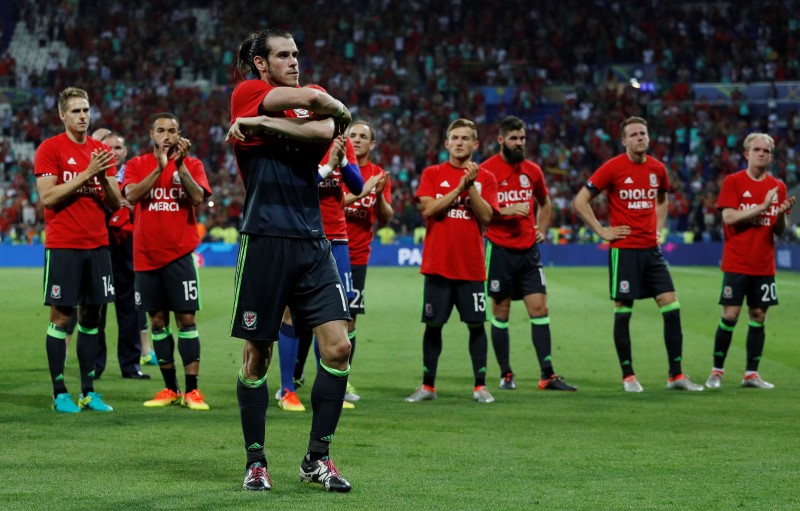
pixel 632 191
pixel 521 182
pixel 164 222
pixel 750 247
pixel 246 102
pixel 80 221
pixel 361 216
pixel 453 246
pixel 331 197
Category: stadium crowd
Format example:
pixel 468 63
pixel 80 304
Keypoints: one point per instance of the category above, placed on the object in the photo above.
pixel 411 68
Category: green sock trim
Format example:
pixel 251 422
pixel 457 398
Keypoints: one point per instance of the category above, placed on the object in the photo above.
pixel 162 335
pixel 253 384
pixel 755 324
pixel 88 331
pixel 614 255
pixel 670 307
pixel 542 320
pixel 54 331
pixel 623 310
pixel 725 327
pixel 499 324
pixel 351 335
pixel 188 334
pixel 335 372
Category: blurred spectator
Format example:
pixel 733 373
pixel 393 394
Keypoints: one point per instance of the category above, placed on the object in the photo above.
pixel 410 68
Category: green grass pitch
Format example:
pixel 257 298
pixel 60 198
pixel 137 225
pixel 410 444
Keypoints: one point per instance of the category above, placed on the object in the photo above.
pixel 597 449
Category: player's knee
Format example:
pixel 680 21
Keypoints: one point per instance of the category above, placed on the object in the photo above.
pixel 538 311
pixel 501 310
pixel 731 316
pixel 158 322
pixel 255 359
pixel 341 351
pixel 89 318
pixel 758 315
pixel 61 322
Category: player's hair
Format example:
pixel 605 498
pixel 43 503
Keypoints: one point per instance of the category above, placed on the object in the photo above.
pixel 257 45
pixel 367 125
pixel 631 120
pixel 165 115
pixel 510 123
pixel 69 93
pixel 114 134
pixel 463 123
pixel 748 141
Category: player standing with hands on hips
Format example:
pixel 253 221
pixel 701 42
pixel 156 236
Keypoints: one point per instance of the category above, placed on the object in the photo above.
pixel 637 186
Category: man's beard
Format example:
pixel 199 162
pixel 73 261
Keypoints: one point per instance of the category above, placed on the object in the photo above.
pixel 513 155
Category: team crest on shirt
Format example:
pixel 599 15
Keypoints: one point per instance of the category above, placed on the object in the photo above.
pixel 55 292
pixel 653 180
pixel 524 181
pixel 727 292
pixel 137 298
pixel 249 320
pixel 176 179
pixel 478 186
pixel 624 286
pixel 494 285
pixel 300 112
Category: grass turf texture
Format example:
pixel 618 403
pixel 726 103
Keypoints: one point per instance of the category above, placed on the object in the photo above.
pixel 597 449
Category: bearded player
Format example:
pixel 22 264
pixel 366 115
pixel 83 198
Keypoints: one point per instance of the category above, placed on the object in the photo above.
pixel 514 270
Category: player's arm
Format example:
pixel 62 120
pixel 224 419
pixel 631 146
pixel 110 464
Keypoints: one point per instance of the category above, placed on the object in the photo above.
pixel 351 176
pixel 135 192
pixel 337 158
pixel 430 207
pixel 371 183
pixel 780 221
pixel 194 191
pixel 311 99
pixel 111 195
pixel 543 217
pixel 308 130
pixel 516 209
pixel 662 205
pixel 480 207
pixel 731 216
pixel 53 194
pixel 583 208
pixel 383 206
